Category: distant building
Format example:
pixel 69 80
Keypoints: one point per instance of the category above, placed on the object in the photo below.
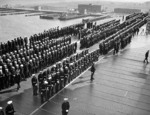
pixel 89 8
pixel 6 6
pixel 126 10
pixel 38 8
pixel 53 8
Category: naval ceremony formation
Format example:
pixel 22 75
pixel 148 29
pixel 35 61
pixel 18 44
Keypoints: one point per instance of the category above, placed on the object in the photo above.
pixel 53 60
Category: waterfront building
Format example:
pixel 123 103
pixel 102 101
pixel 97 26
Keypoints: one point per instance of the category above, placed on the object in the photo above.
pixel 89 8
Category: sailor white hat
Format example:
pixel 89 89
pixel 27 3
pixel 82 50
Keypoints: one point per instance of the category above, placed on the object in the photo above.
pixel 9 102
pixel 45 82
pixel 33 74
pixel 65 99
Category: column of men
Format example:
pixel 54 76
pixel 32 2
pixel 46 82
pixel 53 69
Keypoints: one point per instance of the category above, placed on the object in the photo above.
pixel 98 33
pixel 52 80
pixel 56 33
pixel 120 39
pixel 110 28
pixel 24 62
pixel 19 42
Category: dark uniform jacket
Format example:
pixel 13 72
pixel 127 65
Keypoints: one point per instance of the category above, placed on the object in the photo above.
pixel 93 68
pixel 65 106
pixel 9 110
pixel 34 81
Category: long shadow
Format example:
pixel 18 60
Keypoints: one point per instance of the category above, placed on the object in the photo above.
pixel 8 91
pixel 80 82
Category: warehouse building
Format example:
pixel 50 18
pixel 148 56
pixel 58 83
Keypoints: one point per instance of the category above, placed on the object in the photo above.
pixel 89 8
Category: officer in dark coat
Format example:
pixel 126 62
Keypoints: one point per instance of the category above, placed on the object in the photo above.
pixel 146 57
pixel 50 86
pixel 66 75
pixel 40 79
pixel 1 111
pixel 44 91
pixel 34 84
pixel 18 77
pixel 8 77
pixel 65 106
pixel 9 110
pixel 92 71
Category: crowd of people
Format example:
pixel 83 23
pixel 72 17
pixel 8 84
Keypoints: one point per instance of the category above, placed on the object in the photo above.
pixel 41 52
pixel 103 31
pixel 99 33
pixel 50 81
pixel 21 64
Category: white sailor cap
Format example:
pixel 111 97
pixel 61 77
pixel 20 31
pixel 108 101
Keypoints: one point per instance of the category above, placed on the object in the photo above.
pixel 1 108
pixel 49 78
pixel 65 99
pixel 45 82
pixel 9 102
pixel 33 74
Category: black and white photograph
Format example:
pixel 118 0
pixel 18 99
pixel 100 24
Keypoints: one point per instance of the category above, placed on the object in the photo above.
pixel 74 57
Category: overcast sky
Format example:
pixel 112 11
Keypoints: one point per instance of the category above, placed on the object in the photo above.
pixel 57 1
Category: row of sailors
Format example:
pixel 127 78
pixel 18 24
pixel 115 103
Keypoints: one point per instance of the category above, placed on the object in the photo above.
pixel 18 55
pixel 28 65
pixel 41 46
pixel 132 15
pixel 47 40
pixel 120 39
pixel 56 33
pixel 49 83
pixel 95 37
pixel 38 45
pixel 115 44
pixel 89 41
pixel 98 28
pixel 106 24
pixel 19 42
pixel 12 45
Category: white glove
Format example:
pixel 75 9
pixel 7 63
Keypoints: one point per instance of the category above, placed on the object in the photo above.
pixel 67 110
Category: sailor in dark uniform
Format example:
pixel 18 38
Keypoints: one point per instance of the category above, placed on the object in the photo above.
pixel 9 110
pixel 92 71
pixel 44 91
pixel 146 57
pixel 34 84
pixel 18 77
pixel 65 106
pixel 1 111
pixel 40 79
pixel 50 86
